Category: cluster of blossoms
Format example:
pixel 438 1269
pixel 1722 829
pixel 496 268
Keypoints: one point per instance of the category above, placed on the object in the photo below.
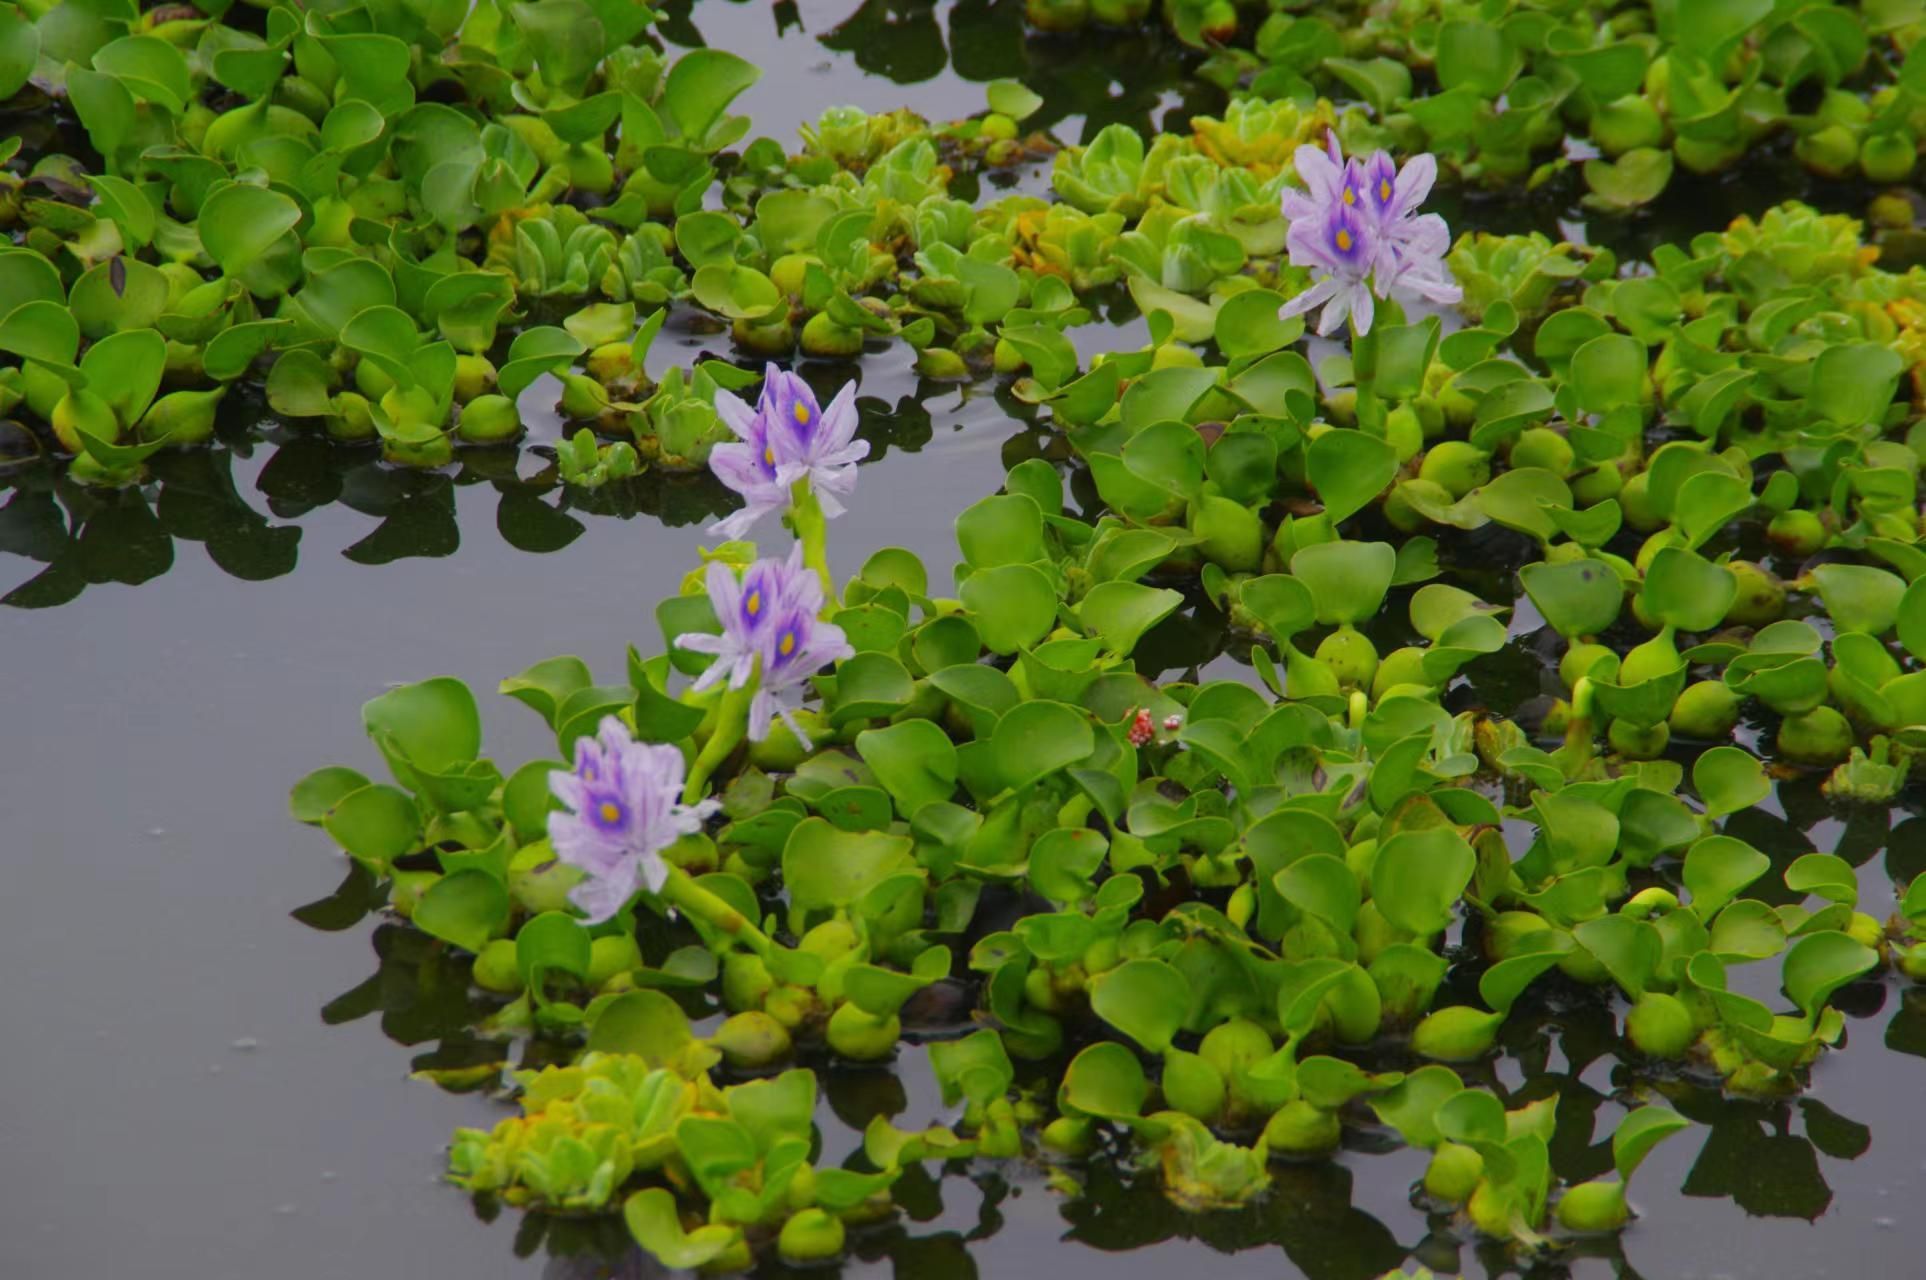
pixel 772 633
pixel 624 799
pixel 787 437
pixel 625 806
pixel 1357 227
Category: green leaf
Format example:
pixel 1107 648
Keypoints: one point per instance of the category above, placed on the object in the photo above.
pixel 376 824
pixel 1104 1080
pixel 39 330
pixel 1012 605
pixel 1629 949
pixel 1821 963
pixel 1013 99
pixel 1716 868
pixel 545 686
pixel 320 791
pixel 239 223
pixel 1826 874
pixel 434 724
pixel 1688 591
pixel 551 941
pixel 1729 779
pixel 1478 56
pixel 998 530
pixel 915 761
pixel 824 867
pixel 1859 597
pixel 1639 1132
pixel 1853 382
pixel 1577 597
pixel 656 1224
pixel 1324 886
pixel 701 86
pixel 1419 876
pixel 870 686
pixel 1348 468
pixel 1120 612
pixel 1346 579
pixel 1248 324
pixel 466 908
pixel 1144 999
pixel 1035 739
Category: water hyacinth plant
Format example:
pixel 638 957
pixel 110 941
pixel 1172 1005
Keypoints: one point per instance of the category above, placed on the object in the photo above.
pixel 1291 743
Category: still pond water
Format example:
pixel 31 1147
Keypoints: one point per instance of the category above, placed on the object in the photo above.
pixel 201 1085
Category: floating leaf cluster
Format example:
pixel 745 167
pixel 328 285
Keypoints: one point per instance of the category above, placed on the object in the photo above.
pixel 1208 924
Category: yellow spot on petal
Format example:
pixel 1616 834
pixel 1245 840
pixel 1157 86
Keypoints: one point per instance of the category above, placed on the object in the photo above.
pixel 610 813
pixel 1384 188
pixel 754 603
pixel 802 413
pixel 787 645
pixel 769 455
pixel 1344 240
pixel 1350 195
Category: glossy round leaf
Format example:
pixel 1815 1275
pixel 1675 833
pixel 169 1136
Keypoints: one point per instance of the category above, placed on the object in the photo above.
pixel 1144 999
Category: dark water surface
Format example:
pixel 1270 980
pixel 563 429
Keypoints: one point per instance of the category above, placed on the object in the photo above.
pixel 176 1106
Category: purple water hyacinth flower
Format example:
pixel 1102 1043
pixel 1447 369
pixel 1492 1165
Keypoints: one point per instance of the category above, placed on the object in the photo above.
pixel 746 608
pixel 1406 248
pixel 797 645
pixel 786 438
pixel 748 465
pixel 623 807
pixel 1411 245
pixel 1340 247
